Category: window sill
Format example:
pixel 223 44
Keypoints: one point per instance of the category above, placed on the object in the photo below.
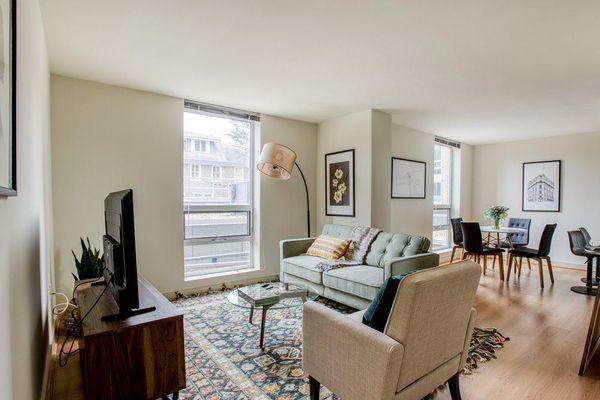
pixel 220 274
pixel 443 251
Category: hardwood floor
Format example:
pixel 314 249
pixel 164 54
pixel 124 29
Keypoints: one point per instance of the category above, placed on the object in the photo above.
pixel 547 329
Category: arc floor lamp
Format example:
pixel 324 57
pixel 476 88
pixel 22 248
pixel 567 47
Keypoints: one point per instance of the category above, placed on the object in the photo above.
pixel 277 161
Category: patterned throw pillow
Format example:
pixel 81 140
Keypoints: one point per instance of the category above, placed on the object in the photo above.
pixel 328 247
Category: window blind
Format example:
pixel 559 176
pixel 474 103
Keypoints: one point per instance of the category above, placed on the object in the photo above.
pixel 447 142
pixel 221 111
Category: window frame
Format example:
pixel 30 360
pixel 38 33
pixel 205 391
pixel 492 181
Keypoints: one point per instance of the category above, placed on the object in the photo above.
pixel 216 208
pixel 444 206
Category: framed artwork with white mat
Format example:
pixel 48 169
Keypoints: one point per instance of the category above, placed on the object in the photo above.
pixel 339 184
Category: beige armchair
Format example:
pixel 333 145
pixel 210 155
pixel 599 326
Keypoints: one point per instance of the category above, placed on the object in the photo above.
pixel 424 344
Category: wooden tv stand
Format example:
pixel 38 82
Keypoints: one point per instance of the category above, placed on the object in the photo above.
pixel 141 357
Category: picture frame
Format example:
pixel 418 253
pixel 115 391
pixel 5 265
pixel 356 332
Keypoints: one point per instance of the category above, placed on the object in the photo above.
pixel 409 179
pixel 541 186
pixel 8 97
pixel 340 188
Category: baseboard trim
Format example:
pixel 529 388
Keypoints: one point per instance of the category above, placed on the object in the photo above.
pixel 47 392
pixel 220 286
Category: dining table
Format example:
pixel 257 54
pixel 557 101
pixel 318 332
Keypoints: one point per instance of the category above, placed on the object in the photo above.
pixel 503 230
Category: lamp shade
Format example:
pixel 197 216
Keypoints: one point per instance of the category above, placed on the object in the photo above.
pixel 276 161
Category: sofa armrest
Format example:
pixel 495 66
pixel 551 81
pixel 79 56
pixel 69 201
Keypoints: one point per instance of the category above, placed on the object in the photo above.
pixel 402 265
pixel 353 360
pixel 469 334
pixel 294 247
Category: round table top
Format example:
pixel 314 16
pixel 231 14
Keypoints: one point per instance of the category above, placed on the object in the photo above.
pixel 503 229
pixel 294 296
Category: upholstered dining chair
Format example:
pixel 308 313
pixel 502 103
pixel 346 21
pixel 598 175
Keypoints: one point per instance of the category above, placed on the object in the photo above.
pixel 474 248
pixel 518 239
pixel 539 254
pixel 457 237
pixel 424 344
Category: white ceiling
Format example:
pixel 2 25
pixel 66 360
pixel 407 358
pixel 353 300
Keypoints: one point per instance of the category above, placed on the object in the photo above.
pixel 477 71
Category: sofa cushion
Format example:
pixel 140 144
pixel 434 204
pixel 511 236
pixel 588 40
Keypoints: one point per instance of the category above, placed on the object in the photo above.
pixel 303 266
pixel 387 246
pixel 359 280
pixel 328 247
pixel 339 231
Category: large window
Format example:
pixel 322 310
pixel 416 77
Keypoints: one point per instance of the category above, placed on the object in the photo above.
pixel 442 196
pixel 218 206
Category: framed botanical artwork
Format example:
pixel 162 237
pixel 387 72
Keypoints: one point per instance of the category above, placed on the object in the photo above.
pixel 541 186
pixel 339 183
pixel 409 179
pixel 8 129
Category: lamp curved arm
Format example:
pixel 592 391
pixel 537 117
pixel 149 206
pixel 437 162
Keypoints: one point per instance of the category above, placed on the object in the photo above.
pixel 307 198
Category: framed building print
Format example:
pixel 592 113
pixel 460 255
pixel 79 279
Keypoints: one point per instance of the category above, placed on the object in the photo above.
pixel 339 184
pixel 408 179
pixel 8 130
pixel 541 186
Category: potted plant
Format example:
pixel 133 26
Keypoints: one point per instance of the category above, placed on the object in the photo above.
pixel 90 264
pixel 496 214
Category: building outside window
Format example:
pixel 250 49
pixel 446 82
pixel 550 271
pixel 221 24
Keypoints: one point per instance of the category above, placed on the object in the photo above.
pixel 442 196
pixel 195 171
pixel 216 172
pixel 218 200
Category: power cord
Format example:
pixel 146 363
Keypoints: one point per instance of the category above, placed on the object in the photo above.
pixel 62 307
pixel 73 330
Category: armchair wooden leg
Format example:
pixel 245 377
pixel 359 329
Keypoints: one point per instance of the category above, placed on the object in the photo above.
pixel 509 263
pixel 454 386
pixel 484 264
pixel 314 387
pixel 529 264
pixel 494 261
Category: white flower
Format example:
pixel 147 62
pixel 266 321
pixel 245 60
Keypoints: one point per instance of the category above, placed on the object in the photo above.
pixel 337 197
pixel 339 173
pixel 342 187
pixel 334 183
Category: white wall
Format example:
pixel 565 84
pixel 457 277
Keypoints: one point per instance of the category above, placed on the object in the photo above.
pixel 381 173
pixel 283 203
pixel 375 140
pixel 497 179
pixel 413 215
pixel 26 222
pixel 107 138
pixel 351 131
pixel 465 186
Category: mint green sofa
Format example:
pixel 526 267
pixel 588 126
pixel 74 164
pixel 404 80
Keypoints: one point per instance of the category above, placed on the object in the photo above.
pixel 390 254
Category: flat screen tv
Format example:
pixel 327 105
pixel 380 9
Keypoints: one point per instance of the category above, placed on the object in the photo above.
pixel 120 272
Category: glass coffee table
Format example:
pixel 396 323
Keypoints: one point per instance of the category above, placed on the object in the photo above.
pixel 271 296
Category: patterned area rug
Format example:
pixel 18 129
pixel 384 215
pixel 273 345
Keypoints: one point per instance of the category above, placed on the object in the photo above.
pixel 223 360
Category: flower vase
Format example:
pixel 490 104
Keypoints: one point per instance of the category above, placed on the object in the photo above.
pixel 496 224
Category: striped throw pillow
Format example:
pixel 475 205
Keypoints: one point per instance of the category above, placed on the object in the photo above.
pixel 328 247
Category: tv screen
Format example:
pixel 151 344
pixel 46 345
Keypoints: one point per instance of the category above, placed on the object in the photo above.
pixel 119 250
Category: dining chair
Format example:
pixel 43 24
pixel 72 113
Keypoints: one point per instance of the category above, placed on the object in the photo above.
pixel 539 254
pixel 518 239
pixel 591 247
pixel 457 236
pixel 586 236
pixel 474 248
pixel 577 243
